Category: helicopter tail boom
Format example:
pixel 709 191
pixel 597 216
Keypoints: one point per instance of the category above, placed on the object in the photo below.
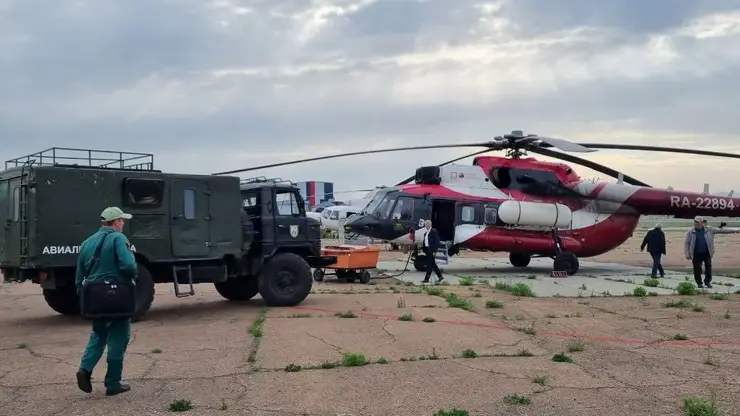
pixel 654 201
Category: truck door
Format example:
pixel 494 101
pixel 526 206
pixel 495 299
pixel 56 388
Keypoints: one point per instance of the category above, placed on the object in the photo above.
pixel 290 223
pixel 5 218
pixel 190 226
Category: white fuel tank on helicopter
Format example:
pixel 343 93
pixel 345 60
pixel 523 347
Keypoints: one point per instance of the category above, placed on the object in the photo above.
pixel 535 214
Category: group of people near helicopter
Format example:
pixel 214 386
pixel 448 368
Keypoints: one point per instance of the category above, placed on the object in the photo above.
pixel 698 247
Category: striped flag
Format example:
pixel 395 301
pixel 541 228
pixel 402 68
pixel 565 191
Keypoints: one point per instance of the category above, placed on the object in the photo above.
pixel 315 192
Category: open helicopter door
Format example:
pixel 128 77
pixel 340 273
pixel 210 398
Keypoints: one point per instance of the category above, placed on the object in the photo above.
pixel 443 219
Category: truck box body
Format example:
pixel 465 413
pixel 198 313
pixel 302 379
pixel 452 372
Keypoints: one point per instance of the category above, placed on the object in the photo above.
pixel 174 216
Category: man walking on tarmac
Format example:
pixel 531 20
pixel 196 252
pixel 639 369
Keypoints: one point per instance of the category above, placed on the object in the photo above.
pixel 699 248
pixel 655 242
pixel 430 247
pixel 116 259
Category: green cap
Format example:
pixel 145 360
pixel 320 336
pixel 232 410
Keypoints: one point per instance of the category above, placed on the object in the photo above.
pixel 114 213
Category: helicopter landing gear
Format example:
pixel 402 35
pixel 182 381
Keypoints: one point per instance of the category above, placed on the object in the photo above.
pixel 420 260
pixel 564 261
pixel 519 259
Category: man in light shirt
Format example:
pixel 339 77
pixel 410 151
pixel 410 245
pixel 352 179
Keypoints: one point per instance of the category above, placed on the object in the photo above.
pixel 431 244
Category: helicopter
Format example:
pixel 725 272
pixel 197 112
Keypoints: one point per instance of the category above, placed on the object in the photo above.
pixel 521 205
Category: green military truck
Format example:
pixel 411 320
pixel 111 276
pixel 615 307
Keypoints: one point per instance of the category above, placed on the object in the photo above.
pixel 244 236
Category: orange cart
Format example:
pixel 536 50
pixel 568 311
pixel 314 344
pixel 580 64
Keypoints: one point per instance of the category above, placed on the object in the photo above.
pixel 352 262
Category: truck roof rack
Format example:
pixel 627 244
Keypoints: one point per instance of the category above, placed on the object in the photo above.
pixel 258 179
pixel 105 159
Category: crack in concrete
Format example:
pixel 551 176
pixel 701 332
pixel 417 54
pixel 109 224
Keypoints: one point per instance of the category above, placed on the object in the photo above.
pixel 336 347
pixel 385 328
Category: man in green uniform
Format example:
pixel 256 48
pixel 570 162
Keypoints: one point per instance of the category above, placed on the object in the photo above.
pixel 116 259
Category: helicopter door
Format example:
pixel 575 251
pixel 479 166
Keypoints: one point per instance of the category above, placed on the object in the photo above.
pixel 443 219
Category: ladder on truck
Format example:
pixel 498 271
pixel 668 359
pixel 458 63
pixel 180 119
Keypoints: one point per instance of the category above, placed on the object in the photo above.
pixel 176 269
pixel 23 212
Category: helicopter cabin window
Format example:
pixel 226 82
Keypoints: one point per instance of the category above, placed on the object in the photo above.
pixel 325 213
pixel 188 201
pixel 145 193
pixel 490 215
pixel 334 215
pixel 404 210
pixel 287 203
pixel 467 214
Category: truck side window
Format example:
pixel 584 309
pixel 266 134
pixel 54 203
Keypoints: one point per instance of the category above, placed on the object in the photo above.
pixel 188 208
pixel 143 192
pixel 16 204
pixel 287 203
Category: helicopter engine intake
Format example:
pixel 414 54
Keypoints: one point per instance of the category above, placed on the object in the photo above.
pixel 535 214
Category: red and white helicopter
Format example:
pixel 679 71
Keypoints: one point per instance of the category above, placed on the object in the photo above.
pixel 523 206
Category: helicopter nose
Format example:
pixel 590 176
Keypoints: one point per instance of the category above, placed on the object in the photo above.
pixel 358 224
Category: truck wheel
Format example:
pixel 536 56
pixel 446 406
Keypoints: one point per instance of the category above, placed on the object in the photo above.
pixel 285 280
pixel 144 292
pixel 365 277
pixel 318 275
pixel 63 300
pixel 240 289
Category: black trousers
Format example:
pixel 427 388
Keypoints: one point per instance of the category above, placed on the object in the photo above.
pixel 657 267
pixel 697 261
pixel 431 264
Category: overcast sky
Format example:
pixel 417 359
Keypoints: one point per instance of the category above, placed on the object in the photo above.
pixel 215 85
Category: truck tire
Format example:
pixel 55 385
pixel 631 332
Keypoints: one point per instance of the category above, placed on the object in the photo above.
pixel 285 280
pixel 144 292
pixel 63 300
pixel 239 289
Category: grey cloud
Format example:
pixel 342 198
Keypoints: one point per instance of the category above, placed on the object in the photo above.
pixel 138 75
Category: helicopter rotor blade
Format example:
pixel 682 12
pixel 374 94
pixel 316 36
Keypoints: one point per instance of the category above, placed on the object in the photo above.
pixel 565 145
pixel 489 145
pixel 589 164
pixel 409 179
pixel 659 149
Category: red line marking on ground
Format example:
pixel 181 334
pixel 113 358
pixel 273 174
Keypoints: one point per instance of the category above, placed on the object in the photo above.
pixel 570 335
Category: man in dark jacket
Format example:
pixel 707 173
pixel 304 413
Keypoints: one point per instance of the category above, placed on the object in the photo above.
pixel 655 242
pixel 430 246
pixel 116 259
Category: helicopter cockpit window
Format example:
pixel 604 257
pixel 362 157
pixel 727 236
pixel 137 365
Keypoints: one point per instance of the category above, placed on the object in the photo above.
pixel 404 209
pixel 334 215
pixel 373 204
pixel 383 210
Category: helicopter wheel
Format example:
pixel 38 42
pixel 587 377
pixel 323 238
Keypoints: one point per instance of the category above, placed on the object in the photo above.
pixel 519 259
pixel 420 263
pixel 566 262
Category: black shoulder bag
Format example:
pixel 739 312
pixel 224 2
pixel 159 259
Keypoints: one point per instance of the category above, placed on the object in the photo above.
pixel 107 297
